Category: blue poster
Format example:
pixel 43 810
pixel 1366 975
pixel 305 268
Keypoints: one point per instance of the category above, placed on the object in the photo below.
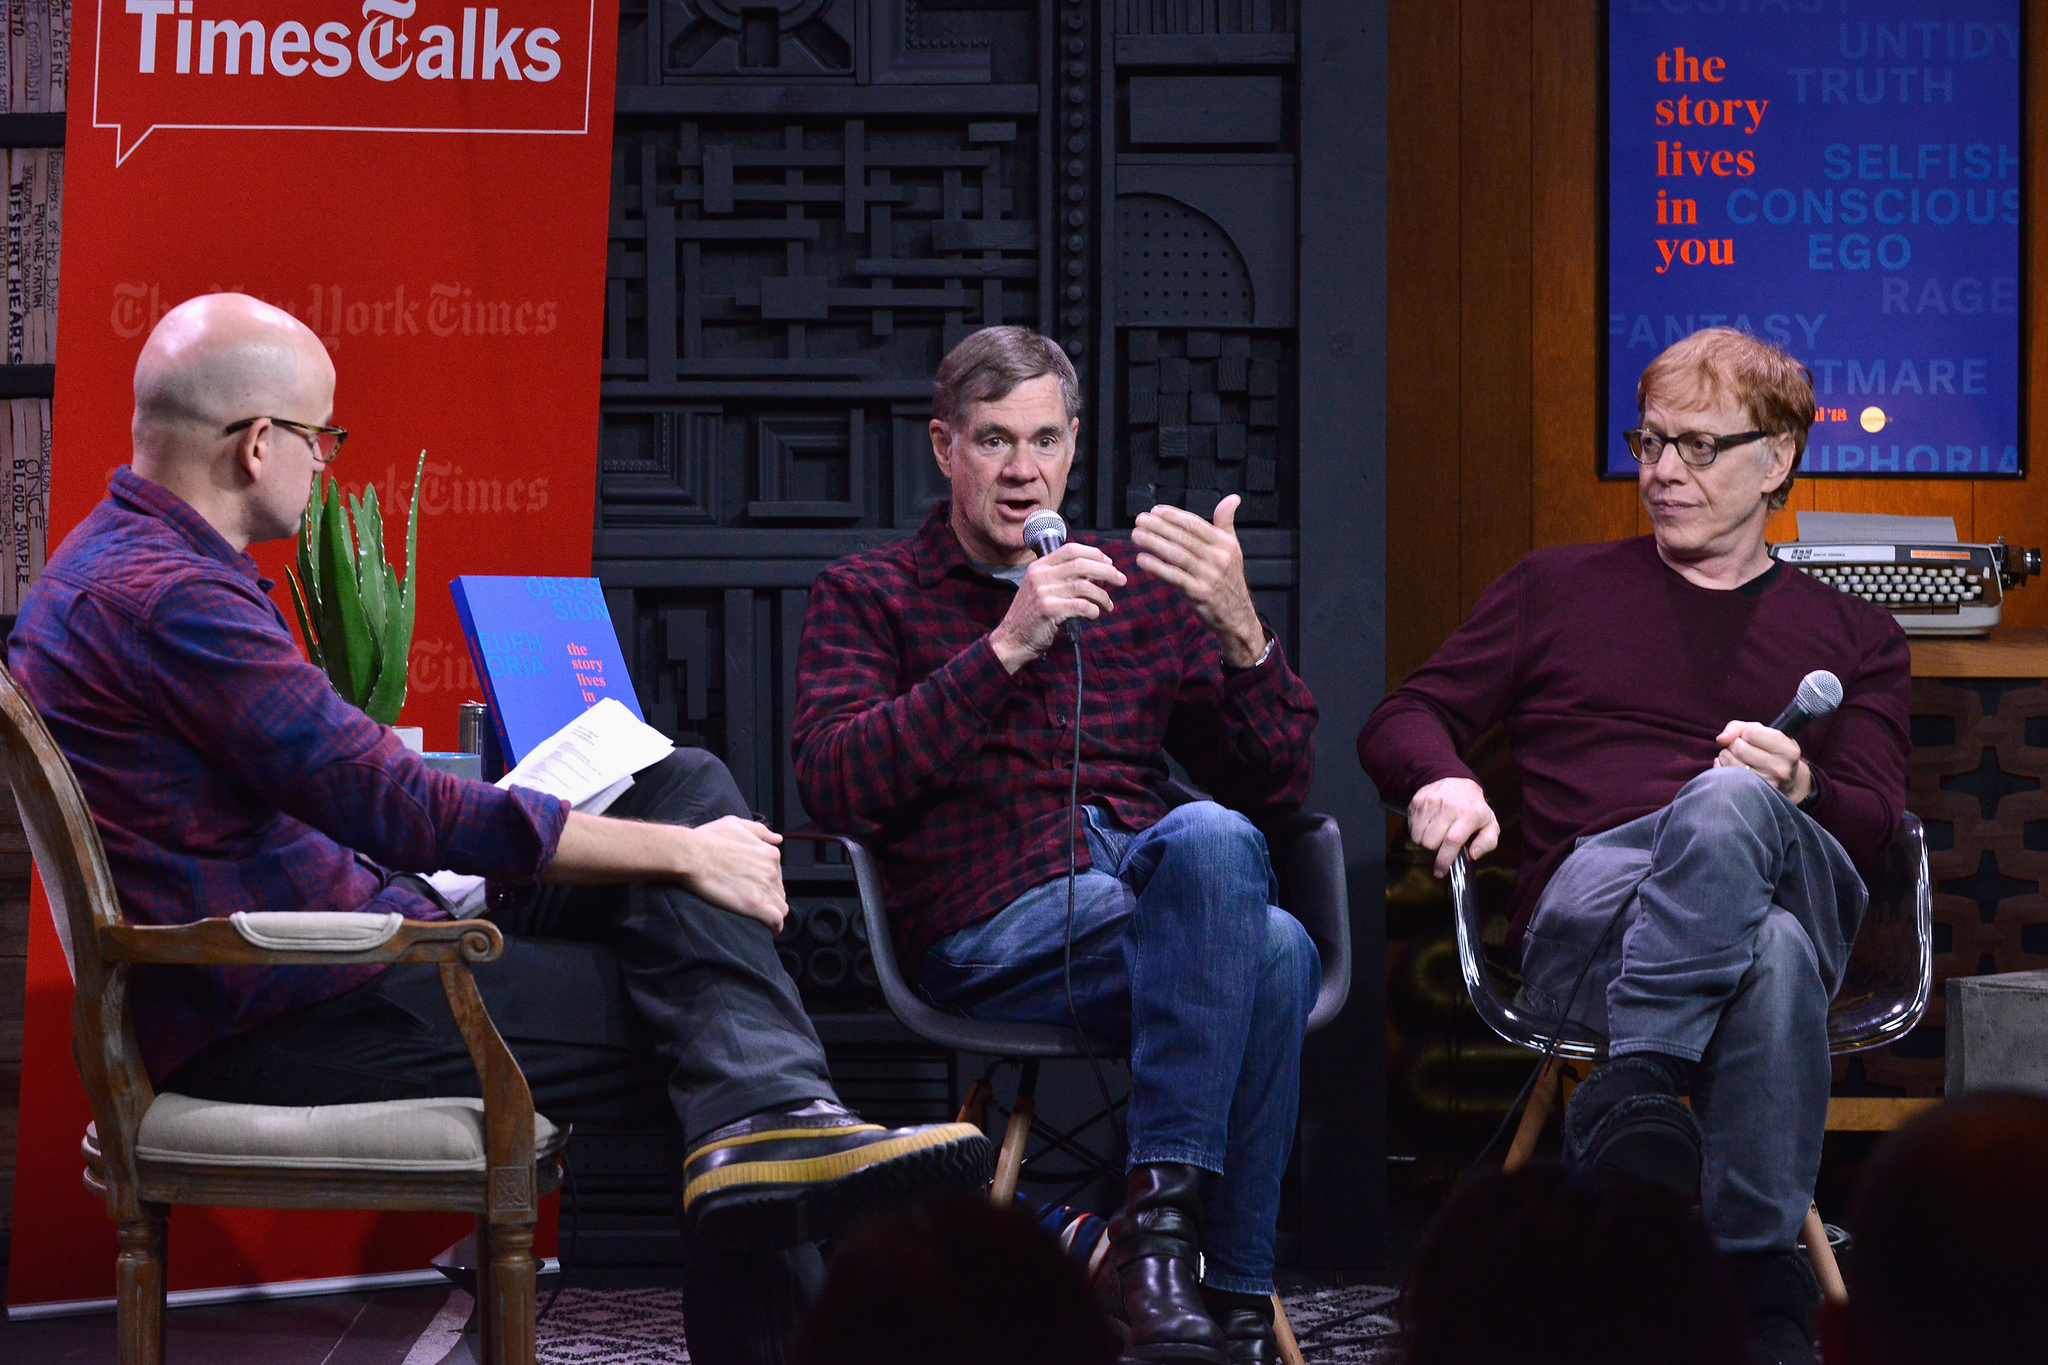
pixel 1842 178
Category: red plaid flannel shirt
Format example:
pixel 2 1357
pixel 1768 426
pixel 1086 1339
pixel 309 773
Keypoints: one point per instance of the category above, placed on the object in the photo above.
pixel 225 773
pixel 910 735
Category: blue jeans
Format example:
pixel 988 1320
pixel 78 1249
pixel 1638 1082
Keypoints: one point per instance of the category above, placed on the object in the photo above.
pixel 1178 947
pixel 1735 918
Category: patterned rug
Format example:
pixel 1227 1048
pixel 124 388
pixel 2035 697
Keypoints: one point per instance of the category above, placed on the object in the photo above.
pixel 1352 1326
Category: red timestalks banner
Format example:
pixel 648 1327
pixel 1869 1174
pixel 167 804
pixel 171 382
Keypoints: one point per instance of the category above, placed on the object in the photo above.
pixel 424 184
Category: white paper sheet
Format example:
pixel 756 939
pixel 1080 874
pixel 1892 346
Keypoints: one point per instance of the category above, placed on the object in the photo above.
pixel 589 763
pixel 1874 527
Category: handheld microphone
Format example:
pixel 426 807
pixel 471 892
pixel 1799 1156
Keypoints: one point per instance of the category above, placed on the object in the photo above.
pixel 1820 692
pixel 1045 531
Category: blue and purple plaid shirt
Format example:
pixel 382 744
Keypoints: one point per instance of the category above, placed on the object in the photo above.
pixel 224 771
pixel 909 734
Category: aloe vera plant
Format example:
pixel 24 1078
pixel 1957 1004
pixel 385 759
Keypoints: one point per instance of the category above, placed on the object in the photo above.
pixel 355 613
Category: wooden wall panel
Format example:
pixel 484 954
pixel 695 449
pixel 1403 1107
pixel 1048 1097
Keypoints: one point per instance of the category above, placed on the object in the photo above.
pixel 1423 437
pixel 1493 265
pixel 1495 304
pixel 2019 511
pixel 1566 503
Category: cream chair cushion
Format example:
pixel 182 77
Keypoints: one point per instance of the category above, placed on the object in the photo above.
pixel 431 1135
pixel 317 931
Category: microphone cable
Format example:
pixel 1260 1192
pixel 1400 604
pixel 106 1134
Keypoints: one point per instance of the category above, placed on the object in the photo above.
pixel 1073 871
pixel 567 1254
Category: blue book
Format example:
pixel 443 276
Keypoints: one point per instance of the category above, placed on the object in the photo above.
pixel 545 650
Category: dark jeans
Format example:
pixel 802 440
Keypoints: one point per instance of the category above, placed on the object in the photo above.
pixel 1736 916
pixel 1177 947
pixel 637 1005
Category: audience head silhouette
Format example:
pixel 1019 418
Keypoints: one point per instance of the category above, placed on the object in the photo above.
pixel 949 1282
pixel 212 363
pixel 1549 1267
pixel 1951 1226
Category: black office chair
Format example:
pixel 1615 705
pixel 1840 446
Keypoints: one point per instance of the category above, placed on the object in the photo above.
pixel 1308 857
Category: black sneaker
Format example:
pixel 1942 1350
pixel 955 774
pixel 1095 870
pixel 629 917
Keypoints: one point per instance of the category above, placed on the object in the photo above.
pixel 780 1180
pixel 1782 1294
pixel 1627 1118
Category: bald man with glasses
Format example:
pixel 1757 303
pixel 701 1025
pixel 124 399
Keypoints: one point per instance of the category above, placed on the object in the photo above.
pixel 1689 883
pixel 639 986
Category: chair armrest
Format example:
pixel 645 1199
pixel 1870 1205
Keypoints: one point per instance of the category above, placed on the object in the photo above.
pixel 221 942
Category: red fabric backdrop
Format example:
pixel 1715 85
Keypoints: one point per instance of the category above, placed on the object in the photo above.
pixel 444 234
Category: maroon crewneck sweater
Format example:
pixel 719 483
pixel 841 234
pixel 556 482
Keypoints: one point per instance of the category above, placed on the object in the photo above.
pixel 1613 674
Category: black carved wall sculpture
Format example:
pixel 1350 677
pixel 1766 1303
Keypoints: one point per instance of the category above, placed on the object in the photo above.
pixel 812 200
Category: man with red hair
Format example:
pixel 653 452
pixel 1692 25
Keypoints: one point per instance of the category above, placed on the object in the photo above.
pixel 1689 885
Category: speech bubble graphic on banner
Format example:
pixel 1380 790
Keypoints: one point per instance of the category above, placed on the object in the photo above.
pixel 385 66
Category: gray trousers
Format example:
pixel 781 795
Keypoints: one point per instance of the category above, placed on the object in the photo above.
pixel 1716 930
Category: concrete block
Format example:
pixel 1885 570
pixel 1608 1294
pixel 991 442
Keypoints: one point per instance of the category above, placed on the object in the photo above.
pixel 1998 1032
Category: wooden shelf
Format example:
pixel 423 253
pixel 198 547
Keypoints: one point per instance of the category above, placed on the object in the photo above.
pixel 1874 1114
pixel 32 130
pixel 2015 652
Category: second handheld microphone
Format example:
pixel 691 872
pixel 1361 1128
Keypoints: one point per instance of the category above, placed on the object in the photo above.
pixel 1819 693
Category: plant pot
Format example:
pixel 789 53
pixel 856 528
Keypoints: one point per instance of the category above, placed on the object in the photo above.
pixel 412 737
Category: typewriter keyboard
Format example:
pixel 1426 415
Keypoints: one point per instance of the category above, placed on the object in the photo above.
pixel 1909 588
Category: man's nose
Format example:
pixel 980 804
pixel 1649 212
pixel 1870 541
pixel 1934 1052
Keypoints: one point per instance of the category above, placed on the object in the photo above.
pixel 1670 466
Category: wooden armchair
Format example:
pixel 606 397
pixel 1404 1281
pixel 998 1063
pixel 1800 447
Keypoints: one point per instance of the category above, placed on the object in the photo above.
pixel 145 1151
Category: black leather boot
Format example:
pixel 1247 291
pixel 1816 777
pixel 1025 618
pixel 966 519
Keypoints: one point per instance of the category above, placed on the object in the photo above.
pixel 1247 1323
pixel 1148 1283
pixel 1782 1294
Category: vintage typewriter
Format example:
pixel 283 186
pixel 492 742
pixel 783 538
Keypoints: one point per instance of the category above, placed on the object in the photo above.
pixel 1913 567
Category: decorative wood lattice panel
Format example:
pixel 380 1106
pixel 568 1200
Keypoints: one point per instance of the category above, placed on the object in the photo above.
pixel 1980 751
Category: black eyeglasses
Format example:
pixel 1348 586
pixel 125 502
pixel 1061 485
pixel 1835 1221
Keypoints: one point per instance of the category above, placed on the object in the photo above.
pixel 326 441
pixel 1697 448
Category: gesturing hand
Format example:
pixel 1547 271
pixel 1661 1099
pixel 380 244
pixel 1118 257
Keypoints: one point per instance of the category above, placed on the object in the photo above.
pixel 1771 753
pixel 1451 814
pixel 1072 581
pixel 1204 561
pixel 736 864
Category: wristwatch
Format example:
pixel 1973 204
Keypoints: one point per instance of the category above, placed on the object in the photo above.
pixel 1264 655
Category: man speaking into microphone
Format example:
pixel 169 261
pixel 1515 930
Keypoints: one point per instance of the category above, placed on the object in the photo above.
pixel 936 692
pixel 1689 882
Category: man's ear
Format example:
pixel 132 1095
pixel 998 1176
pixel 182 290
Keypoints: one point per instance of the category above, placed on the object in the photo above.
pixel 248 453
pixel 942 448
pixel 1784 456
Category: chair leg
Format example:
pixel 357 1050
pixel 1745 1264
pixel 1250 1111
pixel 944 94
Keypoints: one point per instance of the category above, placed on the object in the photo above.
pixel 1542 1100
pixel 1283 1332
pixel 139 1288
pixel 974 1109
pixel 1815 1235
pixel 1002 1191
pixel 508 1269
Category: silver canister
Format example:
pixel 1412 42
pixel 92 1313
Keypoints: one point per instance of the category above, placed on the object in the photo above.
pixel 472 721
pixel 476 734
